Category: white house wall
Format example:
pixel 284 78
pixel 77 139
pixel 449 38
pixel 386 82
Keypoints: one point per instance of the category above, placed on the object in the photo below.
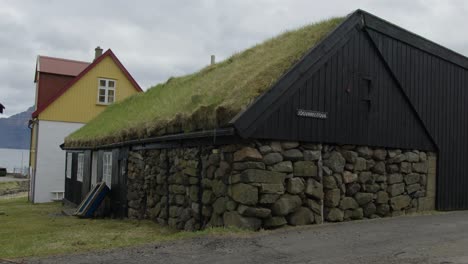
pixel 50 167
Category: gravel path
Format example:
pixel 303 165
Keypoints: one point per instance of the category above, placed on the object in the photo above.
pixel 437 238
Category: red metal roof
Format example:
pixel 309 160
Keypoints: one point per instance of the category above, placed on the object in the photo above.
pixel 60 66
pixel 108 53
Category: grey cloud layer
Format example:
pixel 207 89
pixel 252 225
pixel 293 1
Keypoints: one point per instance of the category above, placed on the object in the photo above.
pixel 159 39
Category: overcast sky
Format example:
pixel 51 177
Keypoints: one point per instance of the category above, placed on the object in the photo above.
pixel 159 39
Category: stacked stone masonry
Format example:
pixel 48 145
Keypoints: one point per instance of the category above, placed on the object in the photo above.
pixel 271 184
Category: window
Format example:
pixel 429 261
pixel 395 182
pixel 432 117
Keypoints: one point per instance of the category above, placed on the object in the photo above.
pixel 79 169
pixel 107 168
pixel 106 91
pixel 94 162
pixel 69 165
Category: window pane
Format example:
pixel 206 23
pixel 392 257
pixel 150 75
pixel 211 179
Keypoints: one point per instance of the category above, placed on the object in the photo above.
pixel 102 83
pixel 79 170
pixel 69 165
pixel 102 92
pixel 111 84
pixel 110 92
pixel 102 99
pixel 110 99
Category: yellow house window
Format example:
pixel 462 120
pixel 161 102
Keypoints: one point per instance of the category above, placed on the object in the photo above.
pixel 106 91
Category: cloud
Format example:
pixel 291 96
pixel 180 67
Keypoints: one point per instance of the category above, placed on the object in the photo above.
pixel 159 39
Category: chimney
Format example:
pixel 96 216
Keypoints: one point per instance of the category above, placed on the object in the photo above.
pixel 212 59
pixel 97 52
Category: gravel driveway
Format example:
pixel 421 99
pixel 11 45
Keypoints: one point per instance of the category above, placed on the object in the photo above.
pixel 437 238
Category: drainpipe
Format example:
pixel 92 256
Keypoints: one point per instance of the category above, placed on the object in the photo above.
pixel 31 124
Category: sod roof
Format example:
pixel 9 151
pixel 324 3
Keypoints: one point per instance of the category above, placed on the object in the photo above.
pixel 206 99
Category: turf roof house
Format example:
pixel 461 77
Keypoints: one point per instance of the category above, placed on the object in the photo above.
pixel 339 120
pixel 68 94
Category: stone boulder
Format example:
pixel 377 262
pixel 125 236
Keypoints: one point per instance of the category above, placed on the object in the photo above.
pixel 272 158
pixel 262 176
pixel 382 197
pixel 380 154
pixel 314 189
pixel 412 156
pixel 293 155
pixel 329 182
pixel 335 215
pixel 273 188
pixel 289 144
pixel 412 178
pixel 350 156
pixel 240 166
pixel 364 152
pixel 396 189
pixel 286 204
pixel 244 193
pixel 394 178
pixel 275 221
pixel 247 154
pixel 360 164
pixel 420 167
pixel 348 203
pixel 379 167
pixel 259 212
pixel 349 177
pixel 268 198
pixel 363 198
pixel 305 169
pixel 314 206
pixel 219 206
pixel 236 220
pixel 365 177
pixel 405 167
pixel 332 198
pixel 284 166
pixel 295 185
pixel 352 189
pixel 399 202
pixel 312 155
pixel 335 162
pixel 301 216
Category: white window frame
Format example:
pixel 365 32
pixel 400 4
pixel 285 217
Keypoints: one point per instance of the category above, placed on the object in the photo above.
pixel 107 89
pixel 68 172
pixel 80 167
pixel 94 162
pixel 107 168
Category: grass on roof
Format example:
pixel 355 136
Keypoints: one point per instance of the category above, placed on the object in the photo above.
pixel 207 99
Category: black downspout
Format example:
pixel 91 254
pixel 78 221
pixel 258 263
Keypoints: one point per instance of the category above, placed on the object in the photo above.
pixel 200 189
pixel 167 187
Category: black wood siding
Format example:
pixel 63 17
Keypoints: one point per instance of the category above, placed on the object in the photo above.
pixel 438 90
pixel 364 103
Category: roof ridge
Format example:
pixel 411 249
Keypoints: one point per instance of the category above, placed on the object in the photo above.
pixel 63 59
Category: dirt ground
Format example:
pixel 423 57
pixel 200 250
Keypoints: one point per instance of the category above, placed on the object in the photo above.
pixel 432 238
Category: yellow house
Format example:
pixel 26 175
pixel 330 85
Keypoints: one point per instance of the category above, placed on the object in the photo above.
pixel 68 95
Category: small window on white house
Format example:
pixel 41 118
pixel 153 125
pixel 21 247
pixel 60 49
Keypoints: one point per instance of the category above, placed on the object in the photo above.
pixel 80 168
pixel 107 168
pixel 69 165
pixel 106 91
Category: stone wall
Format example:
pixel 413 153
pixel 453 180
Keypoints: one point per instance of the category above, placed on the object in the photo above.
pixel 271 184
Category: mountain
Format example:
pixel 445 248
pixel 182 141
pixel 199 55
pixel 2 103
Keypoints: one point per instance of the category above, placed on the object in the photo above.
pixel 14 131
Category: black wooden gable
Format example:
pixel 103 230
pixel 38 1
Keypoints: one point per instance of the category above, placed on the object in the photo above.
pixel 370 82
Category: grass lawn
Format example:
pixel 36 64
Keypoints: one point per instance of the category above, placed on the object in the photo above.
pixel 39 229
pixel 9 185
